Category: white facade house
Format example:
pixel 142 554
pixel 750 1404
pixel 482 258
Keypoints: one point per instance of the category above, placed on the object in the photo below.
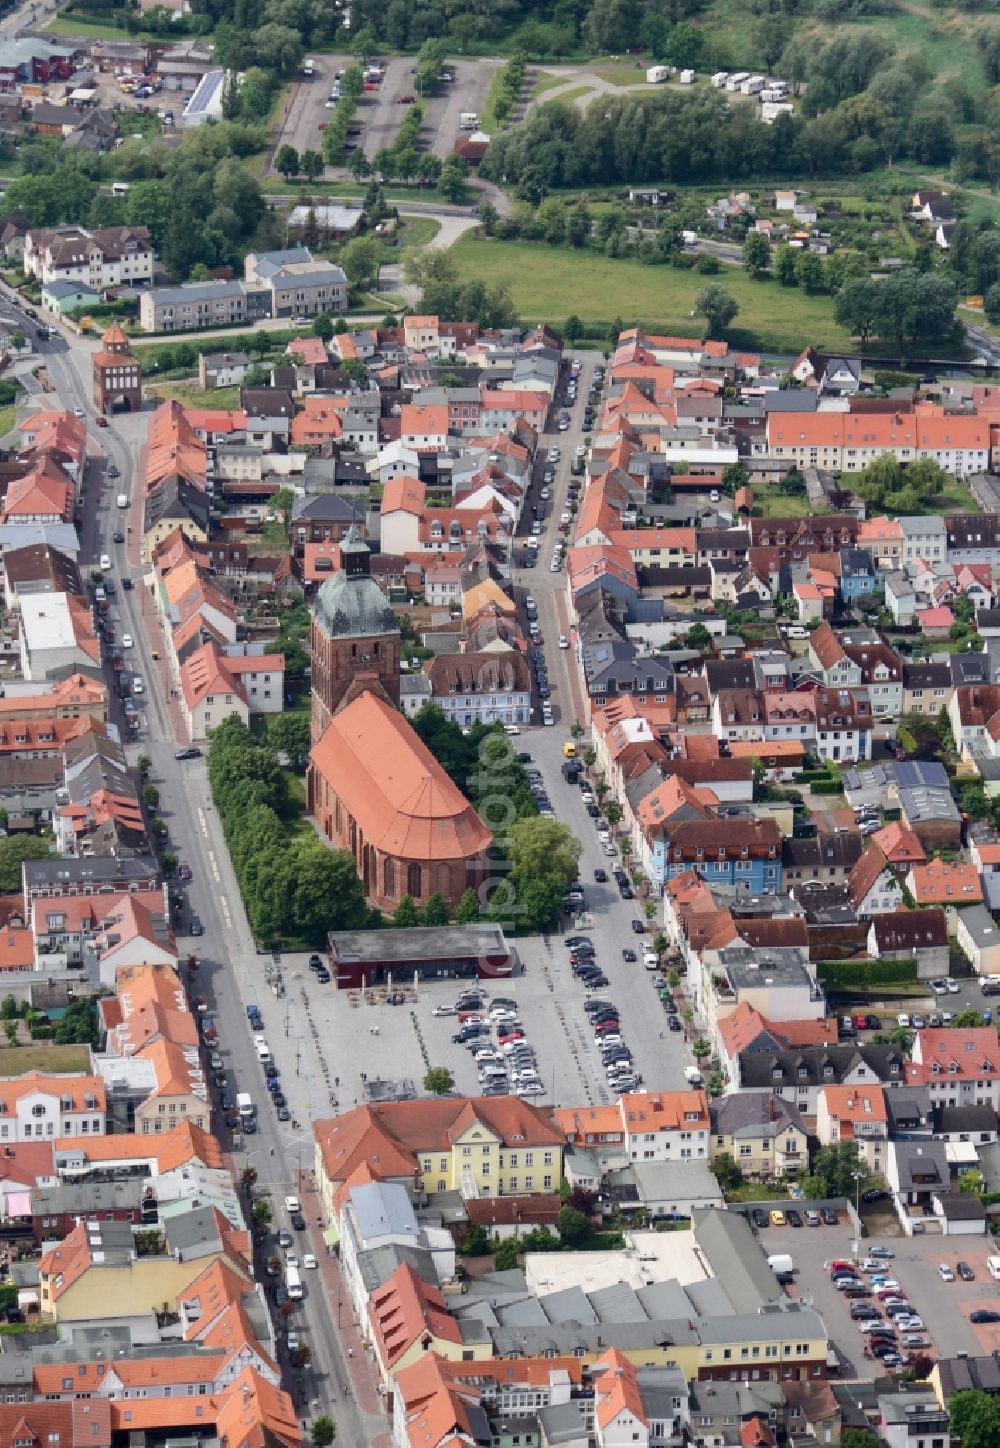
pixel 52 637
pixel 111 257
pixel 666 1126
pixel 41 1108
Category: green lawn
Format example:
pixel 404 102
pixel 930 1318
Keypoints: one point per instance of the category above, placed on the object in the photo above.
pixel 554 282
pixel 8 417
pixel 547 81
pixel 957 499
pixel 757 1192
pixel 222 398
pixel 776 505
pixel 95 29
pixel 16 1060
pixel 414 231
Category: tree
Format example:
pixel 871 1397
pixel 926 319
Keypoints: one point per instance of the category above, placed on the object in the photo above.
pixel 506 1254
pixel 572 330
pixel 613 812
pixel 809 271
pixel 451 182
pixel 13 851
pixel 326 893
pixel 701 1049
pixel 357 164
pixel 574 1226
pixel 311 165
pixel 289 735
pixel 967 1020
pixel 78 1025
pixel 467 909
pixel 860 1438
pixel 975 1419
pixel 991 304
pixel 756 254
pixel 261 1214
pixel 717 306
pixel 150 796
pixel 359 260
pixel 726 1172
pixel 407 915
pixel 323 1431
pixel 435 912
pixel 839 1170
pixel 439 1081
pixel 286 162
pixel 578 224
pixel 248 1178
pixel 785 270
pixel 323 327
pixel 972 1181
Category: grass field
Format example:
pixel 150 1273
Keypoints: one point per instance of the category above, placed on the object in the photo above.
pixel 95 30
pixel 776 505
pixel 553 283
pixel 957 499
pixel 8 417
pixel 222 398
pixel 16 1060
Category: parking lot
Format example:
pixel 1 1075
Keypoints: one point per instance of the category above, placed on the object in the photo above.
pixel 314 1020
pixel 943 1306
pixel 380 113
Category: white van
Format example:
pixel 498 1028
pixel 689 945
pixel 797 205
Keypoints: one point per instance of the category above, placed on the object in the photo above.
pixel 993 1267
pixel 263 1053
pixel 293 1283
pixel 122 500
pixel 308 67
pixel 468 121
pixel 650 959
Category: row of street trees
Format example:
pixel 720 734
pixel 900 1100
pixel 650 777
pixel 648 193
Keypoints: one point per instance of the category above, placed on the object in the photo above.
pixel 292 885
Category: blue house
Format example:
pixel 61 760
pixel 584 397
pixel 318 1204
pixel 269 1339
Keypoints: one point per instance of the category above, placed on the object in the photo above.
pixel 741 852
pixel 857 573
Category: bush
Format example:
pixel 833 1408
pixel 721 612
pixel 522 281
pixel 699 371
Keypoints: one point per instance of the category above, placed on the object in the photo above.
pixel 850 975
pixel 827 786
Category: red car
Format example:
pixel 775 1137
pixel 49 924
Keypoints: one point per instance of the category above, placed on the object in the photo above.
pixel 117 663
pixel 405 100
pixel 101 421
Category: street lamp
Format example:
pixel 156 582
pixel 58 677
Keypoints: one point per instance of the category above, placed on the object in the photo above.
pixel 858 1178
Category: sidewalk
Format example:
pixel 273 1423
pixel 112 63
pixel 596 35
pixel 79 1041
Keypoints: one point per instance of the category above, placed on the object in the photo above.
pixel 362 1375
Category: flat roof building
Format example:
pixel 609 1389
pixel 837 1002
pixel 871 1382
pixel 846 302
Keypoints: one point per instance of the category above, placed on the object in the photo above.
pixel 453 952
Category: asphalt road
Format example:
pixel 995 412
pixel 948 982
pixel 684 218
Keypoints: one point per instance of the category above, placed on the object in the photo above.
pixel 232 971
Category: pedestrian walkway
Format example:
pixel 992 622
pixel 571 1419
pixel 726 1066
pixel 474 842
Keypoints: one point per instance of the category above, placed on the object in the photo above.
pixel 357 1359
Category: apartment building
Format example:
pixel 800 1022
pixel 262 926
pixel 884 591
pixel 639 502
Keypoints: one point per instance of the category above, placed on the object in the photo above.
pixel 113 256
pixel 197 304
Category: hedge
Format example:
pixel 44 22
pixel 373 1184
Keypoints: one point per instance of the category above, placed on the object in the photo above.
pixel 827 786
pixel 856 974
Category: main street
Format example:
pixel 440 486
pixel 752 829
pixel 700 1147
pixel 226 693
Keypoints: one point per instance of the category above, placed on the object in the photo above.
pixel 232 971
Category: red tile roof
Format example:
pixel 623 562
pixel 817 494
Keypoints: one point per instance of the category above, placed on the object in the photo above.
pixel 390 783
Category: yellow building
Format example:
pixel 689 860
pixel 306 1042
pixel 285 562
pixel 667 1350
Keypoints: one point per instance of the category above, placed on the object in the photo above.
pixel 478 1146
pixel 94 1273
pixel 765 1136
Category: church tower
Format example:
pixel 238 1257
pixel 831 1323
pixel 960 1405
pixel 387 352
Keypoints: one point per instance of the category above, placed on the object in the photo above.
pixel 354 632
